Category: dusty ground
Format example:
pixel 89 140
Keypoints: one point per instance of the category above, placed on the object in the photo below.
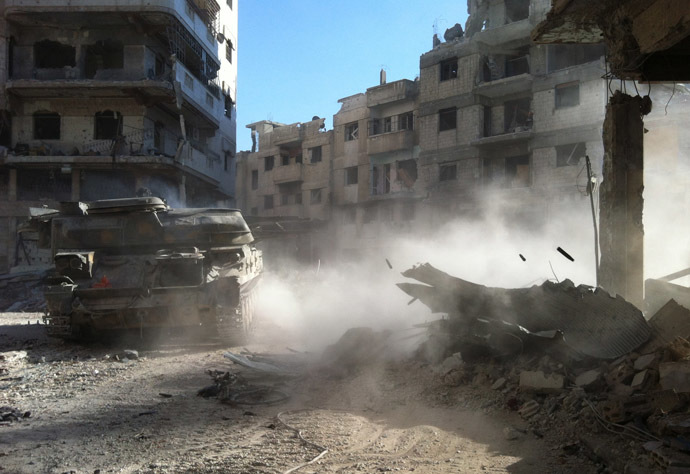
pixel 91 413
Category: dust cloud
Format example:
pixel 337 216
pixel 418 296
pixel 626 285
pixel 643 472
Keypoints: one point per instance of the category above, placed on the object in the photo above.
pixel 316 304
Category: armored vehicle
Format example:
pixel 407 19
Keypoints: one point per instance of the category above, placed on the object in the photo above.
pixel 137 264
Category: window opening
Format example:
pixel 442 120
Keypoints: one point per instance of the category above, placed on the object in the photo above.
pixel 228 105
pixel 284 160
pixel 487 121
pixel 351 175
pixel 567 95
pixel 387 125
pixel 298 198
pixel 315 154
pixel 405 121
pixel 228 50
pixel 517 64
pixel 516 10
pixel 284 198
pixel 107 125
pixel 517 171
pixel 53 55
pixel 315 196
pixel 105 54
pixel 447 119
pixel 158 131
pixel 255 179
pixel 268 163
pixel 351 131
pixel 449 69
pixel 268 202
pixel 571 154
pixel 448 172
pixel 381 179
pixel 46 126
pixel 517 115
pixel 407 172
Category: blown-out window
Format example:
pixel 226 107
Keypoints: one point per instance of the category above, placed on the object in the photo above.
pixel 107 125
pixel 46 126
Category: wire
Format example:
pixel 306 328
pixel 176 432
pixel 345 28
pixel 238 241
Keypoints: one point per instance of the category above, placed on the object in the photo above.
pixel 669 99
pixel 323 450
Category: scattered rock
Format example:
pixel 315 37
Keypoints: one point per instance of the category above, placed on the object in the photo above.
pixel 675 376
pixel 529 409
pixel 539 382
pixel 511 433
pixel 499 384
pixel 589 379
pixel 130 354
pixel 646 361
pixel 453 362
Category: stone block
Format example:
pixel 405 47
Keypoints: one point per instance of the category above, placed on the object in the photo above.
pixel 675 376
pixel 588 379
pixel 539 382
pixel 645 361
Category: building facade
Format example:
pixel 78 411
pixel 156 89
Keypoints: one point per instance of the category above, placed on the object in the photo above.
pixel 109 99
pixel 491 117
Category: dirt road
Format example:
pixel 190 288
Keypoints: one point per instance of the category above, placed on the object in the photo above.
pixel 93 413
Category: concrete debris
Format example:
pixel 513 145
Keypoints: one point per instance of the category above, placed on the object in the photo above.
pixel 675 376
pixel 588 380
pixel 671 321
pixel 451 363
pixel 10 414
pixel 588 321
pixel 499 384
pixel 539 382
pixel 529 409
pixel 22 292
pixel 511 434
pixel 645 362
pixel 357 348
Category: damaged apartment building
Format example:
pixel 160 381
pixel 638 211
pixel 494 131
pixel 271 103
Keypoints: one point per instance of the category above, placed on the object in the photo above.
pixel 492 118
pixel 490 113
pixel 104 100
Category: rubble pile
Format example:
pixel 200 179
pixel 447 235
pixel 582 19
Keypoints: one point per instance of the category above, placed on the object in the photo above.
pixel 569 358
pixel 22 292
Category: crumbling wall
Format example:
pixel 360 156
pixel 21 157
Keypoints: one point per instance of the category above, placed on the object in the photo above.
pixel 621 202
pixel 138 54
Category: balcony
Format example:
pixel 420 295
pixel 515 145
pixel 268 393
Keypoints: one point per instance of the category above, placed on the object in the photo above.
pixel 388 142
pixel 520 134
pixel 151 90
pixel 505 86
pixel 393 92
pixel 287 173
pixel 288 134
pixel 500 35
pixel 187 12
pixel 204 100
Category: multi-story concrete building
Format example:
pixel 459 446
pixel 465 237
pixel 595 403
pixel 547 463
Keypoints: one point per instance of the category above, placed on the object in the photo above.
pixel 491 114
pixel 104 99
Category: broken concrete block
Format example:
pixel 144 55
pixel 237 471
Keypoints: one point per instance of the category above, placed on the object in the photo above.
pixel 669 321
pixel 588 379
pixel 451 363
pixel 622 373
pixel 675 376
pixel 679 348
pixel 641 380
pixel 529 409
pixel 666 401
pixel 645 361
pixel 499 384
pixel 539 382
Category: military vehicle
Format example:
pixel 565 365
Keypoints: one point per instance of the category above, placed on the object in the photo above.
pixel 137 264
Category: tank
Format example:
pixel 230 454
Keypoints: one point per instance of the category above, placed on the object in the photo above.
pixel 137 264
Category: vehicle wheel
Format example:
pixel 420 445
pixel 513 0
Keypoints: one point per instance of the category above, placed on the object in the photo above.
pixel 236 326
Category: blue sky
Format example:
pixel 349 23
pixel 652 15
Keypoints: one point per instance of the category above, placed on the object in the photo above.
pixel 296 58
